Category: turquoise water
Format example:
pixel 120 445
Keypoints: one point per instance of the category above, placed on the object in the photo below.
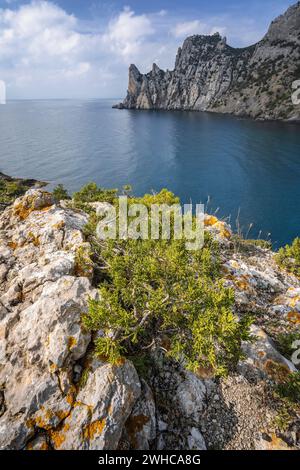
pixel 242 165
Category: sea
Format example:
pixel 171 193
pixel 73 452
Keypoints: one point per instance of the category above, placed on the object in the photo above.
pixel 243 170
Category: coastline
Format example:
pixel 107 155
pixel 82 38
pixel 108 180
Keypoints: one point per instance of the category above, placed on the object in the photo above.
pixel 12 187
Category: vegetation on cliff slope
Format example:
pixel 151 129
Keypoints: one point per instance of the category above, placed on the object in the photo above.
pixel 157 291
pixel 11 188
pixel 289 257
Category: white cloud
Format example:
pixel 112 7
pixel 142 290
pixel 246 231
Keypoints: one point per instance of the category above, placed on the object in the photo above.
pixel 46 52
pixel 187 28
pixel 127 32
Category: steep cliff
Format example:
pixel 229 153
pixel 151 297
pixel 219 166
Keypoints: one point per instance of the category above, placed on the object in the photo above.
pixel 209 75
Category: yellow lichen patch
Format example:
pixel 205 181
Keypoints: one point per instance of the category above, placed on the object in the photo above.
pixel 58 437
pixel 94 429
pixel 43 420
pixel 61 415
pixel 294 317
pixel 276 443
pixel 261 354
pixel 210 220
pixel 34 239
pixel 59 225
pixel 280 300
pixel 72 341
pixel 224 232
pixel 22 212
pixel 235 264
pixel 294 301
pixel 70 398
pixel 242 283
pixel 13 245
pixel 29 204
pixel 45 209
pixel 53 368
pixel 120 362
pixel 278 372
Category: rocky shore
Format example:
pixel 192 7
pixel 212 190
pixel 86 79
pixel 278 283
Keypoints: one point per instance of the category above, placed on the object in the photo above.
pixel 10 188
pixel 56 394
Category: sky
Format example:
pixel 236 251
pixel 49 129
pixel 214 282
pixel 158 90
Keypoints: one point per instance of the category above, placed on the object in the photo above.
pixel 83 48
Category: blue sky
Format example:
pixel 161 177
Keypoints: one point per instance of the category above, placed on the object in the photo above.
pixel 82 48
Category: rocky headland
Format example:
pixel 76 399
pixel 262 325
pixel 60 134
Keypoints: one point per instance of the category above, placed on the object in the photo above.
pixel 210 75
pixel 55 393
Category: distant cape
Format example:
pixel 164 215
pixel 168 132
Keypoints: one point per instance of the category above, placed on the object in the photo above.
pixel 209 75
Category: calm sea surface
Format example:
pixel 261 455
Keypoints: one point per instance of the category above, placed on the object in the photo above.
pixel 240 164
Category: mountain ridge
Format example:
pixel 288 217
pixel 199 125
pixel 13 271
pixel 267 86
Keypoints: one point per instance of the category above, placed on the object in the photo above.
pixel 210 75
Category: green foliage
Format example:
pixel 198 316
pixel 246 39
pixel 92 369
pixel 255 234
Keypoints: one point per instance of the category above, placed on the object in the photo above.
pixel 143 364
pixel 93 193
pixel 285 342
pixel 265 244
pixel 83 262
pixel 289 257
pixel 60 193
pixel 290 388
pixel 157 289
pixel 10 190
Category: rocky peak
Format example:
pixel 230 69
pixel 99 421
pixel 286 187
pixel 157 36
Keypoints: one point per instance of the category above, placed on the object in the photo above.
pixel 286 27
pixel 209 75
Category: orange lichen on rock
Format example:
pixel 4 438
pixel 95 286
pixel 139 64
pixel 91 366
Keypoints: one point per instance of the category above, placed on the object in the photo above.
pixel 294 301
pixel 13 245
pixel 224 232
pixel 33 202
pixel 210 220
pixel 70 398
pixel 59 225
pixel 261 354
pixel 58 437
pixel 294 317
pixel 72 342
pixel 94 429
pixel 35 240
pixel 276 443
pixel 43 420
pixel 242 283
pixel 278 372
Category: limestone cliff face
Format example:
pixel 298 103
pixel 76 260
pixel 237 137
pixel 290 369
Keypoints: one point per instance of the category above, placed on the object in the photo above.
pixel 209 75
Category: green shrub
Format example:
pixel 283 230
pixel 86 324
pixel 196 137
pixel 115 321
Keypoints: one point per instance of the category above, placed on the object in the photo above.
pixel 10 190
pixel 60 193
pixel 93 193
pixel 289 257
pixel 285 343
pixel 290 388
pixel 156 290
